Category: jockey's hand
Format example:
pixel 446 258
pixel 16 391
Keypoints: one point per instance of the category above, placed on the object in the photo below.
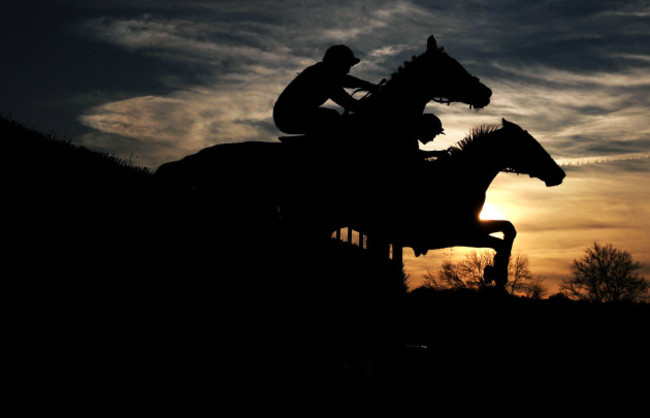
pixel 374 88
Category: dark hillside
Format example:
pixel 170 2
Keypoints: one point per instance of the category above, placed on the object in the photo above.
pixel 45 165
pixel 124 284
pixel 104 255
pixel 66 204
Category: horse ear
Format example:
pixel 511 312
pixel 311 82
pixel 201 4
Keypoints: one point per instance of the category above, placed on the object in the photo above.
pixel 432 45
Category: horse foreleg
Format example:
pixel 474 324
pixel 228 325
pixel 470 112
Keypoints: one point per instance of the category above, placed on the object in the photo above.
pixel 499 272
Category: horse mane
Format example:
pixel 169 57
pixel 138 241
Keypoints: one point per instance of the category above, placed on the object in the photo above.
pixel 473 142
pixel 400 75
pixel 411 67
pixel 397 75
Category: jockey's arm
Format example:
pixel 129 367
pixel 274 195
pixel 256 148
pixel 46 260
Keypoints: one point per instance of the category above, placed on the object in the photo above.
pixel 343 99
pixel 354 82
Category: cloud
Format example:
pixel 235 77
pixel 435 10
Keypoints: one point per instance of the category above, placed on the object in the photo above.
pixel 244 65
pixel 630 77
pixel 634 8
pixel 575 115
pixel 632 57
pixel 242 46
pixel 349 23
pixel 187 40
pixel 187 120
pixel 602 159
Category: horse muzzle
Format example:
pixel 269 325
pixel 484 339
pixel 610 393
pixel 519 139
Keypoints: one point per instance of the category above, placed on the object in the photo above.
pixel 555 180
pixel 482 99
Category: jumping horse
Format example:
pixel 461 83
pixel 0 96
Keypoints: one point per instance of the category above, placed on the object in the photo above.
pixel 441 206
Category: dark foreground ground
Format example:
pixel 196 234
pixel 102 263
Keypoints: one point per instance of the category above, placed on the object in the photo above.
pixel 122 299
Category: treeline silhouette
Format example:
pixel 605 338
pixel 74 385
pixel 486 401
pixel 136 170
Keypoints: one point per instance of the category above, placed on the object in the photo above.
pixel 123 284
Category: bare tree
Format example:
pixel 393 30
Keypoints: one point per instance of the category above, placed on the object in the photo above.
pixel 534 288
pixel 468 273
pixel 474 265
pixel 521 281
pixel 605 274
pixel 519 273
pixel 449 277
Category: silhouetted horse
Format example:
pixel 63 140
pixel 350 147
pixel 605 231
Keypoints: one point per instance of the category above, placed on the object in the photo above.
pixel 441 200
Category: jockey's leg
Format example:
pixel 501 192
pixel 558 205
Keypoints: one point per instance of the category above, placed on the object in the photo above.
pixel 323 121
pixel 320 121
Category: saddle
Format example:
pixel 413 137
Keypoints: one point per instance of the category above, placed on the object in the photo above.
pixel 342 142
pixel 311 144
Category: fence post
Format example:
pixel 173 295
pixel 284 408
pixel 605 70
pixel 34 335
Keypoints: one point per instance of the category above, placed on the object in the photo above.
pixel 379 247
pixel 397 253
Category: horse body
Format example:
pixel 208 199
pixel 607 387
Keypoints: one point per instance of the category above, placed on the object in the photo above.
pixel 458 186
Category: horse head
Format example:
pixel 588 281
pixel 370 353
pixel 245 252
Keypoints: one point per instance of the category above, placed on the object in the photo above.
pixel 527 156
pixel 433 75
pixel 449 81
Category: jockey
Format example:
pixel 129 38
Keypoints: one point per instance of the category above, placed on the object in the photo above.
pixel 298 109
pixel 428 126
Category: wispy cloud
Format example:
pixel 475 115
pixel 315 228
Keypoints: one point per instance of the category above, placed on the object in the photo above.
pixel 632 57
pixel 245 65
pixel 602 159
pixel 631 77
pixel 369 18
pixel 209 43
pixel 186 120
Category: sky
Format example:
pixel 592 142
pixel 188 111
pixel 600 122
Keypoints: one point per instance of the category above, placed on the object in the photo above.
pixel 153 81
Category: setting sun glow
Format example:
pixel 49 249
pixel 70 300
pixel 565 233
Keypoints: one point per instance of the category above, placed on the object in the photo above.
pixel 491 212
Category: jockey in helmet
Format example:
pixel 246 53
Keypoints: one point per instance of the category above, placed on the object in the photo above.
pixel 428 127
pixel 298 109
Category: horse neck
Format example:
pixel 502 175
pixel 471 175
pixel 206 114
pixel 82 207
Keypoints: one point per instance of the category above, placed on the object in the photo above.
pixel 479 167
pixel 407 90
